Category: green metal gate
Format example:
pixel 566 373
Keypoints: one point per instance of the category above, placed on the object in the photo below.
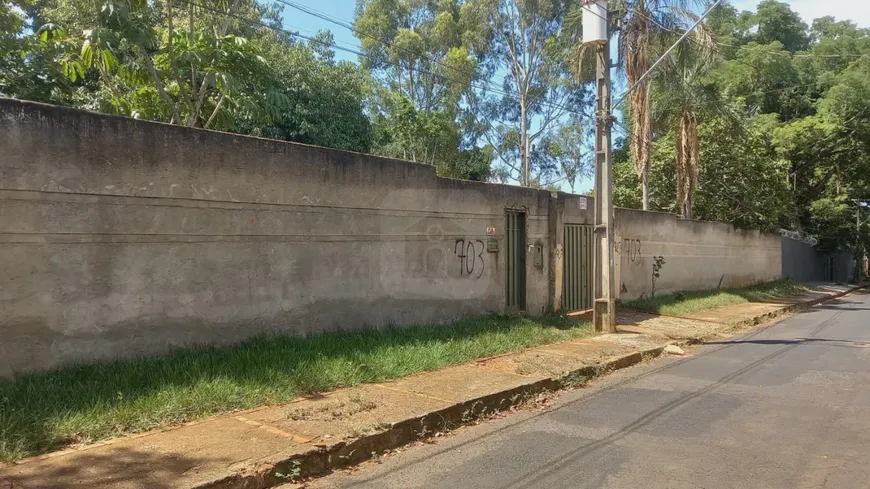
pixel 577 269
pixel 515 259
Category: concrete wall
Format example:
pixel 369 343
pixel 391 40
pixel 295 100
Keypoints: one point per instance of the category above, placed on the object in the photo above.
pixel 121 237
pixel 697 254
pixel 801 261
pixel 840 267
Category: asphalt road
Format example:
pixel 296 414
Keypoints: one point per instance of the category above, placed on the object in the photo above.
pixel 786 406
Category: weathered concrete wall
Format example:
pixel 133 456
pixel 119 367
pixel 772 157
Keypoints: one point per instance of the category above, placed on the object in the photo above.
pixel 121 237
pixel 801 261
pixel 840 267
pixel 697 254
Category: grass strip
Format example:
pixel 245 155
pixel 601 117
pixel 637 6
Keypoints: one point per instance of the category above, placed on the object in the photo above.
pixel 86 403
pixel 682 303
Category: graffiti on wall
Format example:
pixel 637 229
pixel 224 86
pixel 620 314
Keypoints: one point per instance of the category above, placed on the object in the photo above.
pixel 471 257
pixel 629 248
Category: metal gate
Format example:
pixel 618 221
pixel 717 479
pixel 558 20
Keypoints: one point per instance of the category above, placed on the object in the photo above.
pixel 515 259
pixel 577 274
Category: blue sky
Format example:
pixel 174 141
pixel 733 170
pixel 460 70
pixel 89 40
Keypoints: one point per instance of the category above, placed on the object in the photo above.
pixel 856 10
pixel 308 25
pixel 343 10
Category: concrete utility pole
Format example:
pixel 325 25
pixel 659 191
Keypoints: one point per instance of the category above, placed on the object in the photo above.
pixel 604 313
pixel 596 31
pixel 859 258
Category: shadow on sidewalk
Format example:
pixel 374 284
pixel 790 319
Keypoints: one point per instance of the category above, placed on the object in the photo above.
pixel 121 467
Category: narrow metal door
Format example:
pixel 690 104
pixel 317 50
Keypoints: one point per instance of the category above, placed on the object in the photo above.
pixel 577 268
pixel 515 258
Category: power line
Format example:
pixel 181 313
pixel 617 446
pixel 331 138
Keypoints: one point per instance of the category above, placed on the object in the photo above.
pixel 298 29
pixel 485 85
pixel 347 25
pixel 779 53
pixel 667 52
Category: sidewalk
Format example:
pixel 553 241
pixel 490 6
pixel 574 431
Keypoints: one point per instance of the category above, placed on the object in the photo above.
pixel 270 445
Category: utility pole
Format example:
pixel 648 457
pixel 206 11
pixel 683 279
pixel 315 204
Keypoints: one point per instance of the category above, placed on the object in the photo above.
pixel 859 258
pixel 596 23
pixel 596 31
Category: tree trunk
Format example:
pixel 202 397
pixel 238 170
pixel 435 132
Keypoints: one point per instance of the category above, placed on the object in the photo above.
pixel 645 185
pixel 687 157
pixel 524 147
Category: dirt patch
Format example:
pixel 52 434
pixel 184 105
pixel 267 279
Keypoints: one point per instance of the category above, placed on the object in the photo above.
pixel 334 409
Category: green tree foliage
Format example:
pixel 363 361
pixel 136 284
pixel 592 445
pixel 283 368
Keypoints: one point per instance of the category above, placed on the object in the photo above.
pixel 566 150
pixel 458 83
pixel 324 97
pixel 534 46
pixel 777 22
pixel 28 69
pixel 428 52
pixel 424 58
pixel 782 124
pixel 202 63
pixel 646 29
pixel 679 100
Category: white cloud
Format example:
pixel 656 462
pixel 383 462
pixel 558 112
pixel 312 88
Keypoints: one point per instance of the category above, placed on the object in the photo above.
pixel 858 11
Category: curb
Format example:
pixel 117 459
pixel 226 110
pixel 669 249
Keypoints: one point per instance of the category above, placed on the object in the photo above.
pixel 755 320
pixel 789 309
pixel 321 460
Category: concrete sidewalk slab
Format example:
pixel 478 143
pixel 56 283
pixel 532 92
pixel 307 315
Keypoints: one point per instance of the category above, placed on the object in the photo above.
pixel 556 360
pixel 267 446
pixel 665 327
pixel 458 384
pixel 346 414
pixel 181 457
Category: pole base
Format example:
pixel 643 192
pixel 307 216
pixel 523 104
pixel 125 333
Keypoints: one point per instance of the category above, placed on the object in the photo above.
pixel 604 316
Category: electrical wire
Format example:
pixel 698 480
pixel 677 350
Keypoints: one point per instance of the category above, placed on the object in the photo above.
pixel 779 53
pixel 663 56
pixel 347 25
pixel 478 85
pixel 486 86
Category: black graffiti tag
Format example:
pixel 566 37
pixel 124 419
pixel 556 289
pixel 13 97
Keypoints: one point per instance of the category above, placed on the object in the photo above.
pixel 631 249
pixel 470 255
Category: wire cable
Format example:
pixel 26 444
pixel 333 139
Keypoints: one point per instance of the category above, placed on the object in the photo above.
pixel 663 56
pixel 483 85
pixel 347 25
pixel 780 53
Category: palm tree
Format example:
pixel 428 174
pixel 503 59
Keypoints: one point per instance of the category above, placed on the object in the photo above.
pixel 646 29
pixel 679 99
